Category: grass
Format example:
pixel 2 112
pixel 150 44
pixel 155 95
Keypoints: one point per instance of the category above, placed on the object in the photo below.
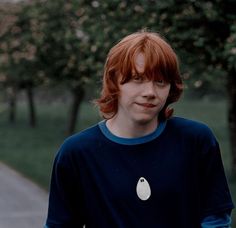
pixel 31 151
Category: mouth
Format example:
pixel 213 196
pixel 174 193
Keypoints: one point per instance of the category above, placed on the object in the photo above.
pixel 146 105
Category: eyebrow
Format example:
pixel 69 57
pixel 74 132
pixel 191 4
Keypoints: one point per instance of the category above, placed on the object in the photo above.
pixel 138 74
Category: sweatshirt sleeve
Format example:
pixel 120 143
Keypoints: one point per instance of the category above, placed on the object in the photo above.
pixel 66 204
pixel 222 220
pixel 215 193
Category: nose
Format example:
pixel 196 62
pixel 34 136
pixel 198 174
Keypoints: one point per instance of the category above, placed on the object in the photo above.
pixel 149 90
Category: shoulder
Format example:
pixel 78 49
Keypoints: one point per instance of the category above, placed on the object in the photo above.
pixel 84 137
pixel 191 129
pixel 77 142
pixel 188 124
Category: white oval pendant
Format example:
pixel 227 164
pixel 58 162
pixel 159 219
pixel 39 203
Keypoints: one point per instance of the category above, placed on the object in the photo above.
pixel 143 189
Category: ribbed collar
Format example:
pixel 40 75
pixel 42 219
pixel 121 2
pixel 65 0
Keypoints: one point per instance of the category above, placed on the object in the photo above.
pixel 131 141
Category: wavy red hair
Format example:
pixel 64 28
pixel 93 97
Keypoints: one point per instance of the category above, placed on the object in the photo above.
pixel 160 61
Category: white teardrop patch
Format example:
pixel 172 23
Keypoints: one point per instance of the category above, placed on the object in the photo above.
pixel 143 189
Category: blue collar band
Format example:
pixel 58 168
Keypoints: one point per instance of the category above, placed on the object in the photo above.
pixel 131 141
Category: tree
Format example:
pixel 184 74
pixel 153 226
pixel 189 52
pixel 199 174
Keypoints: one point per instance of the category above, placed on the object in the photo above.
pixel 63 50
pixel 46 43
pixel 230 55
pixel 18 59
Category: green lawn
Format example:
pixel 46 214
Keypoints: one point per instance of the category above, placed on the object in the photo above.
pixel 31 151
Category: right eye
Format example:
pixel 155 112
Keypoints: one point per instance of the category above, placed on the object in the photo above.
pixel 137 78
pixel 160 82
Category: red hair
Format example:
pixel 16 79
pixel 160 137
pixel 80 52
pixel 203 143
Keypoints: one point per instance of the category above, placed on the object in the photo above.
pixel 160 62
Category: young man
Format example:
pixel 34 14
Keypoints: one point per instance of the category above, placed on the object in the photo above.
pixel 140 167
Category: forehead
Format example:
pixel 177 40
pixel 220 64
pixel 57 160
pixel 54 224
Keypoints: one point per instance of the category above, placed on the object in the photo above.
pixel 139 62
pixel 145 67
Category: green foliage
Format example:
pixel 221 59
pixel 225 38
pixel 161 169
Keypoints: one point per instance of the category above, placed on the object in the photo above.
pixel 62 46
pixel 45 44
pixel 18 49
pixel 230 47
pixel 67 41
pixel 199 31
pixel 106 22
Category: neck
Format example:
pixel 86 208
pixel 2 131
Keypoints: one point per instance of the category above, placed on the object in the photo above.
pixel 130 130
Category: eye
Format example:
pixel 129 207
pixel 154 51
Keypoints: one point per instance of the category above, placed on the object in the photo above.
pixel 161 82
pixel 137 78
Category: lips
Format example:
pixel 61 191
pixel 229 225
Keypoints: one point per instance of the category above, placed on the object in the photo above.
pixel 146 105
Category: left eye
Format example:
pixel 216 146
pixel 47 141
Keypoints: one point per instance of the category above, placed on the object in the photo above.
pixel 137 78
pixel 160 82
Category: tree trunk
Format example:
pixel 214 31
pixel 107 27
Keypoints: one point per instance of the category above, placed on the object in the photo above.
pixel 232 117
pixel 12 104
pixel 31 105
pixel 78 95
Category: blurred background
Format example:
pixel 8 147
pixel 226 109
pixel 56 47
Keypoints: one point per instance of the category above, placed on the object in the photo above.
pixel 51 64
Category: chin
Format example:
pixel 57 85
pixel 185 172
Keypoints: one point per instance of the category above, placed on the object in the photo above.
pixel 144 121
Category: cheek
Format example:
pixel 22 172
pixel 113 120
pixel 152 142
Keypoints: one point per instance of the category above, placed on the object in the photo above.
pixel 167 93
pixel 164 94
pixel 129 91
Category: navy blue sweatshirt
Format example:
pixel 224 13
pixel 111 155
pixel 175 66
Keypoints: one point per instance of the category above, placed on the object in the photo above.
pixel 96 174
